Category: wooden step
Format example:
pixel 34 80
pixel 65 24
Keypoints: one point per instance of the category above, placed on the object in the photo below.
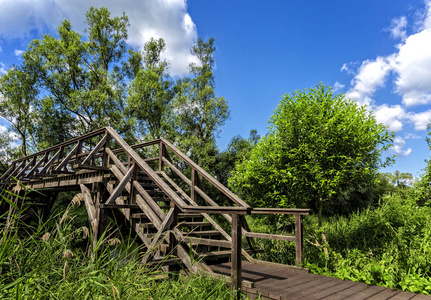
pixel 194 224
pixel 203 233
pixel 215 254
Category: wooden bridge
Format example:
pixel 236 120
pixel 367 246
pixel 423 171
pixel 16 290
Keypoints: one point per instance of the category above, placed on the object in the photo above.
pixel 160 192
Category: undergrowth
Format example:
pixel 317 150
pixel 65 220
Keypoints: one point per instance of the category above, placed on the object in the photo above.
pixel 51 260
pixel 389 245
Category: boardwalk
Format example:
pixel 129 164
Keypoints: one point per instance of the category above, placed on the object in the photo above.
pixel 273 283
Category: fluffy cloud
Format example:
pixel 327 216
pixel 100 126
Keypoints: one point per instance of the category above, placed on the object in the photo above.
pixel 148 18
pixel 390 116
pixel 371 75
pixel 338 87
pixel 398 147
pixel 420 120
pixel 411 65
pixel 2 68
pixel 18 52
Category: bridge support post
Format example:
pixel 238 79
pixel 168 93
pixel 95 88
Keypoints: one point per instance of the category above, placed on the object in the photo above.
pixel 298 240
pixel 236 257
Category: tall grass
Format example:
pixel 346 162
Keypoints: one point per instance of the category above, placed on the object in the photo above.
pixel 51 260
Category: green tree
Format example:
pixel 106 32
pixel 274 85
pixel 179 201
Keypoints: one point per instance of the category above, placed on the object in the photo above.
pixel 74 85
pixel 151 92
pixel 17 95
pixel 318 145
pixel 198 113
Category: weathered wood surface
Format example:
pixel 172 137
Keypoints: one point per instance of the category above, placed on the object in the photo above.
pixel 270 282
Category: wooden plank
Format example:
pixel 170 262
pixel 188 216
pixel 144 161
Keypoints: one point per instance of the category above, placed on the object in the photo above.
pixel 195 241
pixel 6 174
pixel 31 163
pixel 91 211
pixel 421 297
pixel 346 293
pixel 90 167
pixel 327 292
pixel 176 171
pixel 404 296
pixel 236 257
pixel 217 210
pixel 49 163
pixel 96 149
pixel 66 159
pixel 43 159
pixel 147 169
pixel 207 176
pixel 298 240
pixel 120 187
pixel 323 284
pixel 156 215
pixel 385 294
pixel 166 223
pixel 270 236
pixel 368 292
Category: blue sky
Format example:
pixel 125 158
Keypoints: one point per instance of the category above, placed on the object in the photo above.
pixel 377 52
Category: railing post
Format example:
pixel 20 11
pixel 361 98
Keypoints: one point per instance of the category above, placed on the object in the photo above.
pixel 192 188
pixel 161 155
pixel 298 239
pixel 236 257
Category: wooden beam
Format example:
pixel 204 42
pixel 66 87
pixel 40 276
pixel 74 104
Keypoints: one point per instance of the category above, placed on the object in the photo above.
pixel 30 164
pixel 236 258
pixel 49 163
pixel 147 169
pixel 205 174
pixel 43 159
pixel 270 236
pixel 166 223
pixel 176 171
pixel 120 187
pixel 91 211
pixel 66 159
pixel 298 240
pixel 96 149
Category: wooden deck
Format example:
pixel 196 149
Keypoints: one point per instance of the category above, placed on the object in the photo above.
pixel 275 283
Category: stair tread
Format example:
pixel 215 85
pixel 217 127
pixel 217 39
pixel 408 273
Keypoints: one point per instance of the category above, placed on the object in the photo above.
pixel 203 232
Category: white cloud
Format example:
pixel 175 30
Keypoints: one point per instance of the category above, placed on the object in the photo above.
pixel 398 146
pixel 413 67
pixel 390 116
pixel 349 68
pixel 371 75
pixel 420 120
pixel 2 69
pixel 18 52
pixel 412 136
pixel 148 18
pixel 338 87
pixel 398 28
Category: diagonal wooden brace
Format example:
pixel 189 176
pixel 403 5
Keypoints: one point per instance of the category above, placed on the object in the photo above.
pixel 96 149
pixel 121 186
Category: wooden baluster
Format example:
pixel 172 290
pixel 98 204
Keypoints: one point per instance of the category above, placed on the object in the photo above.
pixel 236 257
pixel 298 240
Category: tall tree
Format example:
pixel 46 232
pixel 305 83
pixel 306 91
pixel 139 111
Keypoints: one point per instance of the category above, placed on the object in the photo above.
pixel 18 94
pixel 318 145
pixel 199 114
pixel 151 92
pixel 77 85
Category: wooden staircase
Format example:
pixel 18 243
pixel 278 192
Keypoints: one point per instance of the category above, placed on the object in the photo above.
pixel 156 188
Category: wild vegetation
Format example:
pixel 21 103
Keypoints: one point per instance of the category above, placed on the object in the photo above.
pixel 322 152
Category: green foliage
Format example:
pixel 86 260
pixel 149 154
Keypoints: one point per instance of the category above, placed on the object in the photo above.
pixel 389 245
pixel 50 262
pixel 198 112
pixel 318 145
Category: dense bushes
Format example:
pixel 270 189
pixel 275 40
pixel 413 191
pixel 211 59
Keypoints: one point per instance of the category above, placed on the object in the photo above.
pixel 389 245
